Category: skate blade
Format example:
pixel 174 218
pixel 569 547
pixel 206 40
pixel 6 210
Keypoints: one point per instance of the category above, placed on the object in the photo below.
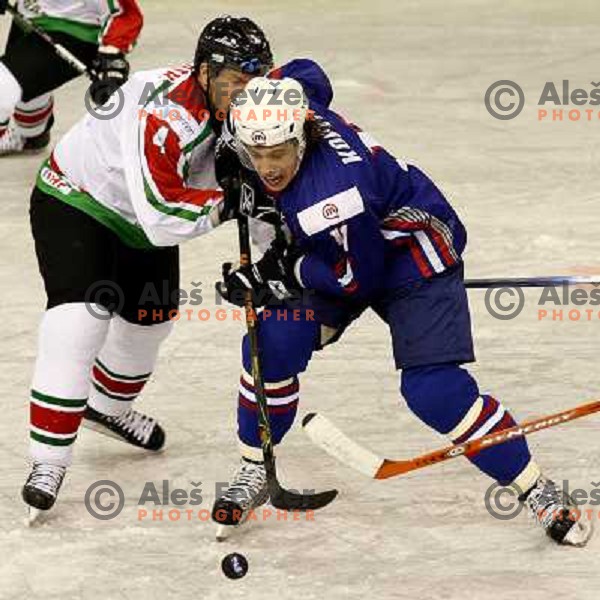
pixel 34 516
pixel 99 428
pixel 223 532
pixel 579 535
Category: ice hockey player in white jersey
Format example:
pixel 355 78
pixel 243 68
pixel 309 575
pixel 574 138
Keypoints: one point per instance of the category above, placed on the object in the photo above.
pixel 108 211
pixel 100 33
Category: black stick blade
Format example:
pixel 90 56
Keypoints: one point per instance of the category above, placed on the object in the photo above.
pixel 288 500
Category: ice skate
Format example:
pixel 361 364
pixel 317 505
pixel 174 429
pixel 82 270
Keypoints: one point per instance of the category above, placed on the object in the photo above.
pixel 132 427
pixel 556 512
pixel 12 142
pixel 247 491
pixel 41 489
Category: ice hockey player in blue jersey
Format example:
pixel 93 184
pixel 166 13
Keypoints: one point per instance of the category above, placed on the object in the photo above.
pixel 365 231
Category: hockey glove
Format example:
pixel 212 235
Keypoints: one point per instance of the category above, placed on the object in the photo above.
pixel 112 69
pixel 244 195
pixel 271 280
pixel 3 5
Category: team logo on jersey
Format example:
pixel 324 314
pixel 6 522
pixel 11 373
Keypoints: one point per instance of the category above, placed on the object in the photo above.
pixel 258 137
pixel 54 180
pixel 247 200
pixel 330 211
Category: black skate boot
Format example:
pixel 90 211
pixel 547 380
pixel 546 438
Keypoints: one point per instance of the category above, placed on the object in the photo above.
pixel 556 512
pixel 36 144
pixel 42 485
pixel 247 491
pixel 33 145
pixel 132 427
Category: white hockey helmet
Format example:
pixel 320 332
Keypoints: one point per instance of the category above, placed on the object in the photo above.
pixel 270 112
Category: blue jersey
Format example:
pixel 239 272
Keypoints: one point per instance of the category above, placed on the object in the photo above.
pixel 364 221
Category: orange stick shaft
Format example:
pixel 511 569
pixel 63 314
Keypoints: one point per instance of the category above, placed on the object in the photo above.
pixel 392 468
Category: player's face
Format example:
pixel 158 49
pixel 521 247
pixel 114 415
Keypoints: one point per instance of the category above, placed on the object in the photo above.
pixel 276 165
pixel 224 86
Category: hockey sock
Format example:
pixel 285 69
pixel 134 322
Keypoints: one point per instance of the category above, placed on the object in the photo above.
pixel 282 403
pixel 124 364
pixel 287 344
pixel 10 96
pixel 69 339
pixel 32 118
pixel 447 399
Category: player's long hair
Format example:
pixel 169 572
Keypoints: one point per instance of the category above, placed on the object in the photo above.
pixel 315 129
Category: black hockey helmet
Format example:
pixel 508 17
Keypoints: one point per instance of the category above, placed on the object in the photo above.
pixel 235 42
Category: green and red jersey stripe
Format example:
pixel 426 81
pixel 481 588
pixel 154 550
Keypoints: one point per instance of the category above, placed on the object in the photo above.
pixel 190 96
pixel 123 26
pixel 162 153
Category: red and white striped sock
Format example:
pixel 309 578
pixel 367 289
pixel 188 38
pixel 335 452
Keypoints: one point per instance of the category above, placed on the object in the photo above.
pixel 124 364
pixel 31 118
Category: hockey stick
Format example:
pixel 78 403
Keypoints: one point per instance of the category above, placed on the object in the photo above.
pixel 531 281
pixel 29 27
pixel 326 435
pixel 280 497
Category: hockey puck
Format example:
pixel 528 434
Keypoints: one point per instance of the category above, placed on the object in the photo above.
pixel 235 565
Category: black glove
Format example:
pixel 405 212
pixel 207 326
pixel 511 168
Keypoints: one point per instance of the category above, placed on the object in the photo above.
pixel 243 191
pixel 271 279
pixel 228 172
pixel 112 71
pixel 3 5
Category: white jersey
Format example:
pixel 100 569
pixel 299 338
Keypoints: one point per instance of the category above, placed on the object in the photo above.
pixel 147 173
pixel 106 22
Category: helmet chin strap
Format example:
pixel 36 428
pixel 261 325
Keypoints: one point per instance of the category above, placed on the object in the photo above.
pixel 301 152
pixel 214 122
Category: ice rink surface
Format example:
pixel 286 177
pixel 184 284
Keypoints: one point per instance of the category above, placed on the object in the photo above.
pixel 414 74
